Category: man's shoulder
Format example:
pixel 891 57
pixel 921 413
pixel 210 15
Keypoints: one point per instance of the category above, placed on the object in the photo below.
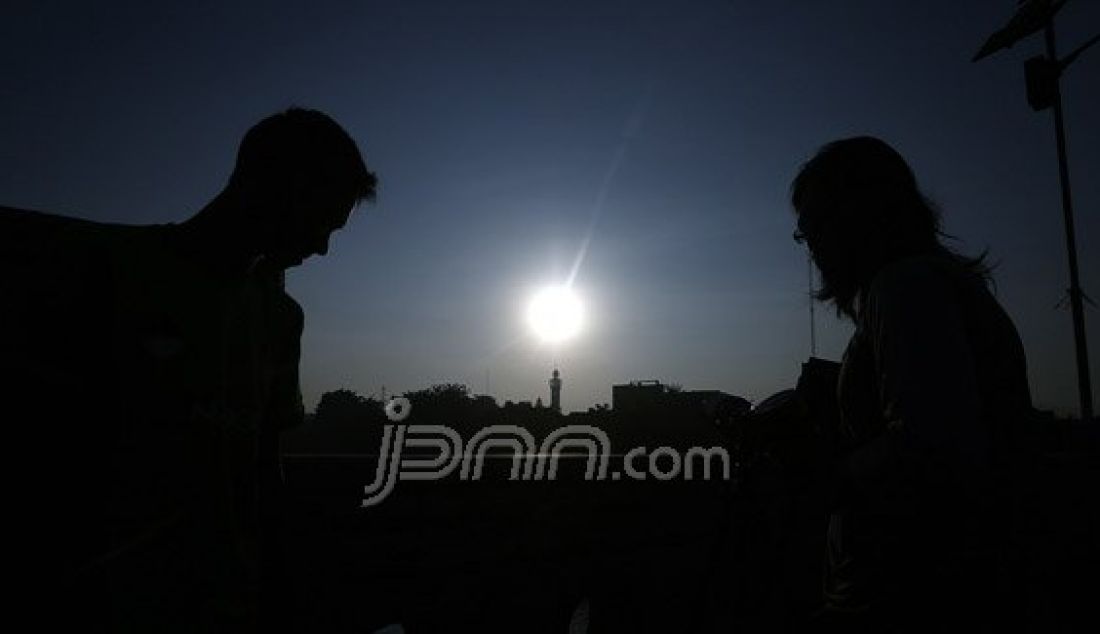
pixel 50 256
pixel 32 237
pixel 29 234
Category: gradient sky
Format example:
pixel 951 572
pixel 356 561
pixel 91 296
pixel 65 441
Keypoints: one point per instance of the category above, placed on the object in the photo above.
pixel 504 133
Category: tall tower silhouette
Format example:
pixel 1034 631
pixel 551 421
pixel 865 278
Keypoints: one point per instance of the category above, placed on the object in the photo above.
pixel 555 391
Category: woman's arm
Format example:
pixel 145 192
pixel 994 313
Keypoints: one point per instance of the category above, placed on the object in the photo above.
pixel 928 391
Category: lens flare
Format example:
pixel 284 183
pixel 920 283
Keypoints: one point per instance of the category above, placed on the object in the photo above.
pixel 555 314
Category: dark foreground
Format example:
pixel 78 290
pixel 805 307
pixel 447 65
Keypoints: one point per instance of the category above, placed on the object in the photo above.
pixel 662 556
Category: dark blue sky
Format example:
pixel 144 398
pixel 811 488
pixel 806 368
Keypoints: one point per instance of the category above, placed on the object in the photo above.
pixel 504 132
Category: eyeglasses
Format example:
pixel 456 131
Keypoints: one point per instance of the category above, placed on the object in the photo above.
pixel 808 228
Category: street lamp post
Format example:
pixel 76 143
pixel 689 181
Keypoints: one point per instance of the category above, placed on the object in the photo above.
pixel 1044 91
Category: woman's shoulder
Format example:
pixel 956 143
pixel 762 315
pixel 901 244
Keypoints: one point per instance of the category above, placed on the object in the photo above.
pixel 927 271
pixel 921 283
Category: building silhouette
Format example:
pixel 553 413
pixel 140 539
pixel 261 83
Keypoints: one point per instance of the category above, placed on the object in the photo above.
pixel 555 391
pixel 649 395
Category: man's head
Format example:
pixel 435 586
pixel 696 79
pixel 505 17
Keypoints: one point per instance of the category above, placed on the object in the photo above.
pixel 298 176
pixel 859 207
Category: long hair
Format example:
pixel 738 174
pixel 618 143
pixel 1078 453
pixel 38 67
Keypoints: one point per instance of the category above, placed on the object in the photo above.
pixel 859 208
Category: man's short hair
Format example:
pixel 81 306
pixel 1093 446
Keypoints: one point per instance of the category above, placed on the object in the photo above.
pixel 305 142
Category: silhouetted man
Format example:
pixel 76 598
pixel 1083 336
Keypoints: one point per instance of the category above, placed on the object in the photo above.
pixel 160 364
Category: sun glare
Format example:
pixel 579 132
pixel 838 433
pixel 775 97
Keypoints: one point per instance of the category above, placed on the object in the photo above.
pixel 555 314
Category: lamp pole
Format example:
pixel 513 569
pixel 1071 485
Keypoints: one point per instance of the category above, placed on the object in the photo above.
pixel 1043 74
pixel 1076 295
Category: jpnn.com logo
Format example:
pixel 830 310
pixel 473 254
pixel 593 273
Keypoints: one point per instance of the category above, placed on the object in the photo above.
pixel 530 460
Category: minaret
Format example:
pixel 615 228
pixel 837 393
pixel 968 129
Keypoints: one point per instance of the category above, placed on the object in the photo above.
pixel 555 391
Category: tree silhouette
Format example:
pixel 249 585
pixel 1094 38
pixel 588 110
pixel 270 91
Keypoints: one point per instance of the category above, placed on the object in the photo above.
pixel 442 396
pixel 343 405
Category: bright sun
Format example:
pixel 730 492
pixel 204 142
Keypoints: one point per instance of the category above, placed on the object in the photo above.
pixel 555 314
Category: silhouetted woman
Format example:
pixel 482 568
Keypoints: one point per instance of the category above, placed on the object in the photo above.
pixel 934 369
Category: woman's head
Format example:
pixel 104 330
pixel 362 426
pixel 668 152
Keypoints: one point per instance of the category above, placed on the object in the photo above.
pixel 858 208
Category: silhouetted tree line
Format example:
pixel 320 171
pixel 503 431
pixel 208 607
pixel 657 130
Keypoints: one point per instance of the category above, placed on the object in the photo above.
pixel 348 422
